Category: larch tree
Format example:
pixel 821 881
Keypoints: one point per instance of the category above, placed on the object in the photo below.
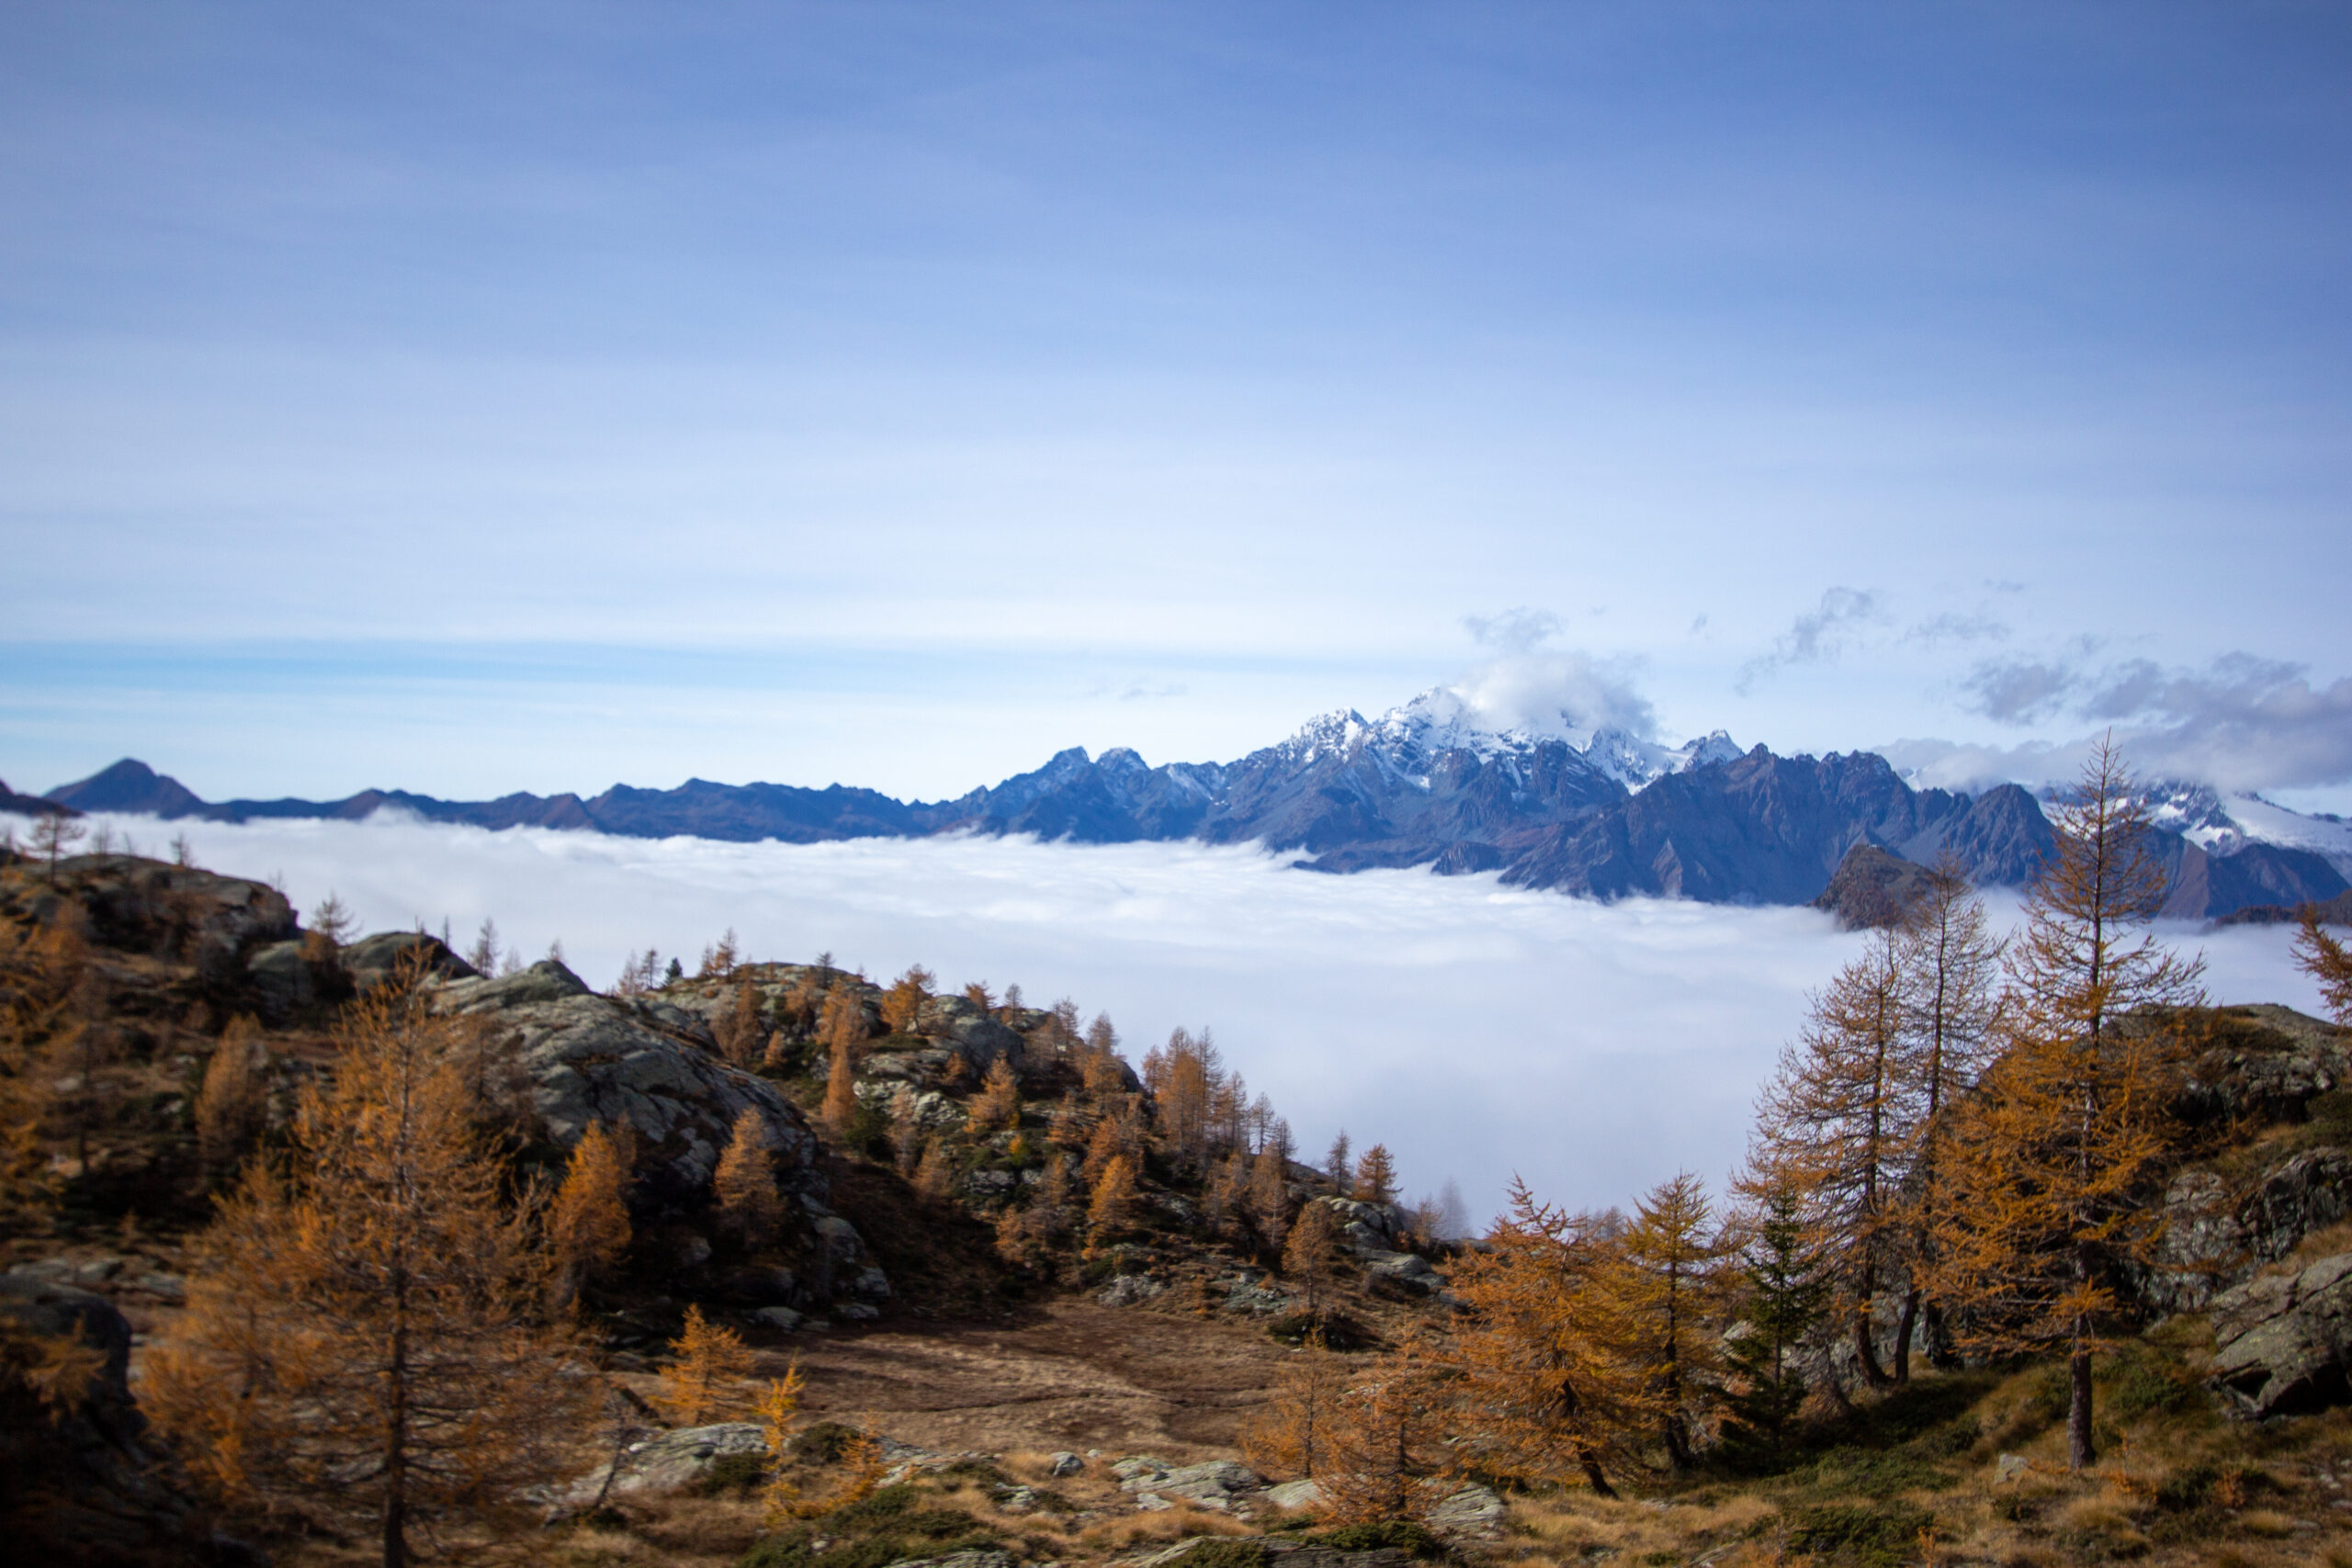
pixel 53 833
pixel 902 1003
pixel 233 1100
pixel 1339 1166
pixel 744 1184
pixel 840 1090
pixel 1291 1435
pixel 1114 1199
pixel 1376 1176
pixel 1949 975
pixel 1389 1457
pixel 1546 1397
pixel 998 1105
pixel 1837 1122
pixel 2325 960
pixel 935 1172
pixel 1306 1256
pixel 365 1333
pixel 2045 1177
pixel 742 1032
pixel 1666 1275
pixel 1269 1199
pixel 708 1365
pixel 588 1223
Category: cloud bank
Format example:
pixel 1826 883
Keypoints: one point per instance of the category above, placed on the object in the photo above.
pixel 1478 1031
pixel 2238 723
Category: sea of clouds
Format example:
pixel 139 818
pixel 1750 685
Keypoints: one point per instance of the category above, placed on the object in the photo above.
pixel 1480 1031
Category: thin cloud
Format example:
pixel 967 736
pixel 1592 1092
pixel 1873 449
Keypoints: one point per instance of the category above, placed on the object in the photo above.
pixel 1512 631
pixel 1820 634
pixel 2240 722
pixel 1476 1030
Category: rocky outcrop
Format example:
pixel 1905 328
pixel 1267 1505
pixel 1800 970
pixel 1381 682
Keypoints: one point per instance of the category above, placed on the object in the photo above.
pixel 1872 888
pixel 81 1486
pixel 590 1058
pixel 373 960
pixel 136 905
pixel 2262 1064
pixel 958 1023
pixel 667 1461
pixel 2214 1236
pixel 2282 1343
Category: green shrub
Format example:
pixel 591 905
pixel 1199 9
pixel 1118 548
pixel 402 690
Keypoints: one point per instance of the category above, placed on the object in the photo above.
pixel 824 1443
pixel 1882 1536
pixel 1878 1473
pixel 1222 1554
pixel 1339 1331
pixel 1398 1535
pixel 2142 1388
pixel 741 1474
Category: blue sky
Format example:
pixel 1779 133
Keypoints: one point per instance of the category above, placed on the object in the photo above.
pixel 488 397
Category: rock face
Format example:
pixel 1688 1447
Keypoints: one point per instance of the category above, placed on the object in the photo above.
pixel 669 1461
pixel 2264 1062
pixel 373 960
pixel 85 1489
pixel 145 906
pixel 2282 1345
pixel 958 1022
pixel 2214 1237
pixel 1871 888
pixel 588 1058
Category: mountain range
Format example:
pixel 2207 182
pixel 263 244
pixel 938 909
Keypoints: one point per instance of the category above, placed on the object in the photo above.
pixel 1593 811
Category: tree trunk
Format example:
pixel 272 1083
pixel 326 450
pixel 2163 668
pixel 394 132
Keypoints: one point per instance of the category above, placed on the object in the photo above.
pixel 1593 1476
pixel 1903 1328
pixel 1864 1349
pixel 2079 1452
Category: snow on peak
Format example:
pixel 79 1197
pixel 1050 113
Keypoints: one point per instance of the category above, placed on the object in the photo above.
pixel 1408 739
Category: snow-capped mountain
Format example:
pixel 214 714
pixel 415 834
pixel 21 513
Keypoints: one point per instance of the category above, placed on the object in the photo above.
pixel 2226 824
pixel 1447 781
pixel 1441 720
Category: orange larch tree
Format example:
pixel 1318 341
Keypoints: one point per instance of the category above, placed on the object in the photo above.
pixel 2045 1177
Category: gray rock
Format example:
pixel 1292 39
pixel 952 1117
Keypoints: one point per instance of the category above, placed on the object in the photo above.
pixel 694 1250
pixel 588 1058
pixel 934 1111
pixel 872 1284
pixel 1294 1494
pixel 1259 1299
pixel 857 1312
pixel 1405 1268
pixel 670 1461
pixel 960 1560
pixel 1129 1289
pixel 2010 1467
pixel 2283 1344
pixel 959 1022
pixel 1473 1510
pixel 784 1318
pixel 987 1184
pixel 2215 1237
pixel 373 960
pixel 1064 1463
pixel 283 980
pixel 1147 1466
pixel 1152 1503
pixel 1214 1484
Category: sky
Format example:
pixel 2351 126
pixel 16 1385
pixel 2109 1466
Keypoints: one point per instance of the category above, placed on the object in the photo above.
pixel 473 398
pixel 1480 1032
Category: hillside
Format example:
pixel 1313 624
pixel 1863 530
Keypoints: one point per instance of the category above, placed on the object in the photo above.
pixel 1071 1385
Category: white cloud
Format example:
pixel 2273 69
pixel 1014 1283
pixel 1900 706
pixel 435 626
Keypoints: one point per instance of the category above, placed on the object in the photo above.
pixel 1476 1030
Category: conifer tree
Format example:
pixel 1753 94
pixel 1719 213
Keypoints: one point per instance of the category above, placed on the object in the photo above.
pixel 741 1034
pixel 1114 1199
pixel 2044 1178
pixel 54 833
pixel 1337 1166
pixel 902 1003
pixel 744 1183
pixel 935 1172
pixel 1269 1199
pixel 2325 959
pixel 1668 1284
pixel 365 1334
pixel 998 1105
pixel 1546 1395
pixel 1949 972
pixel 1375 1180
pixel 841 1091
pixel 588 1223
pixel 1388 1454
pixel 1781 1298
pixel 1291 1433
pixel 231 1103
pixel 709 1364
pixel 777 1405
pixel 1837 1123
pixel 1306 1256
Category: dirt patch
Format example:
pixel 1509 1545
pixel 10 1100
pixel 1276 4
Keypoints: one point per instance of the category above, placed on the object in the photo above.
pixel 1071 1375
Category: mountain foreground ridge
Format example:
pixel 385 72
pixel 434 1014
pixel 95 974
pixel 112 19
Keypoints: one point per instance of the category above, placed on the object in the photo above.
pixel 1551 804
